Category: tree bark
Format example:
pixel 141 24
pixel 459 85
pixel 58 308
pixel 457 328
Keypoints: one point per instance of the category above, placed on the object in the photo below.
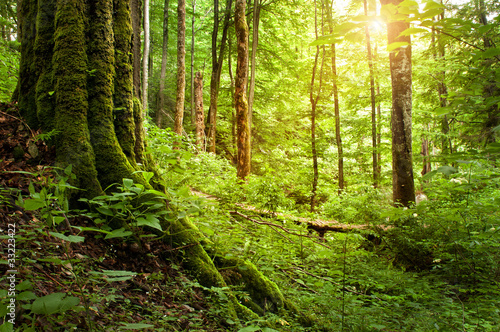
pixel 314 102
pixel 217 62
pixel 193 32
pixel 163 71
pixel 400 62
pixel 240 98
pixel 181 66
pixel 372 99
pixel 234 138
pixel 255 43
pixel 145 59
pixel 200 116
pixel 136 13
pixel 338 137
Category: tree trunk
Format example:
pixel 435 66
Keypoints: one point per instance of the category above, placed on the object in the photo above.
pixel 90 80
pixel 200 116
pixel 193 107
pixel 136 13
pixel 234 139
pixel 212 110
pixel 240 98
pixel 216 71
pixel 314 102
pixel 145 59
pixel 163 71
pixel 255 43
pixel 400 61
pixel 372 98
pixel 181 66
pixel 425 154
pixel 338 137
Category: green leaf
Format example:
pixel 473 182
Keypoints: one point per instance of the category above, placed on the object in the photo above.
pixel 53 303
pixel 120 232
pixel 327 40
pixel 447 170
pixel 393 46
pixel 491 52
pixel 115 275
pixel 128 183
pixel 69 238
pixel 250 328
pixel 26 284
pixel 7 327
pixel 106 211
pixel 442 110
pixel 25 296
pixel 135 326
pixel 91 229
pixel 413 31
pixel 33 204
pixel 149 220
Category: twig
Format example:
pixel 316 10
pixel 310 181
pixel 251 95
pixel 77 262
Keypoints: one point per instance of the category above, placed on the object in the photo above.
pixel 183 247
pixel 300 283
pixel 18 119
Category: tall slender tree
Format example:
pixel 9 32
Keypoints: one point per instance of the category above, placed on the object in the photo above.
pixel 253 64
pixel 181 66
pixel 217 62
pixel 314 102
pixel 163 70
pixel 240 98
pixel 145 58
pixel 372 98
pixel 338 136
pixel 401 77
pixel 193 32
pixel 200 116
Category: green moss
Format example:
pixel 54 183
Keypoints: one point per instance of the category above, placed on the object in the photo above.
pixel 264 293
pixel 44 48
pixel 111 163
pixel 123 93
pixel 70 69
pixel 196 259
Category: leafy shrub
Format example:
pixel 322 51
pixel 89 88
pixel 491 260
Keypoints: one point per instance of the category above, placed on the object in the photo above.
pixel 267 192
pixel 363 206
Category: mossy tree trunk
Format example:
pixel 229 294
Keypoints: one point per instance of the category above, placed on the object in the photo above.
pixel 88 84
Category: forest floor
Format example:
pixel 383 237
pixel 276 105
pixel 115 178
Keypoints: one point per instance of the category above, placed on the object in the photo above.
pixel 119 285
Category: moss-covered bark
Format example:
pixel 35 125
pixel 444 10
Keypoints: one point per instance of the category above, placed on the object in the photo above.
pixel 70 70
pixel 111 164
pixel 43 52
pixel 123 93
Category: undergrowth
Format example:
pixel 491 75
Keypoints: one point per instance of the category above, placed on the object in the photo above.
pixel 431 267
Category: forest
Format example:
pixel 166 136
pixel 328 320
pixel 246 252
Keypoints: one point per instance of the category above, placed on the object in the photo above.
pixel 250 165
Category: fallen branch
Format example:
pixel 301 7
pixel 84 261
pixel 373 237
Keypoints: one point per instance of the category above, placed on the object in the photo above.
pixel 278 226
